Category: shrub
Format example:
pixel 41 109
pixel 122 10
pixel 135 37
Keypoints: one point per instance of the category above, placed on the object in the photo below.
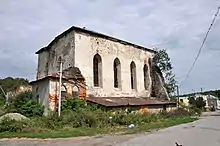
pixel 85 117
pixel 195 111
pixel 76 103
pixel 9 125
pixel 198 102
pixel 179 112
pixel 52 121
pixel 24 104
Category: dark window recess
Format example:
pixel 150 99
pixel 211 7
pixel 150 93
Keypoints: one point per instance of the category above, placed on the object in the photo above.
pixel 38 98
pixel 145 70
pixel 133 76
pixel 75 92
pixel 97 70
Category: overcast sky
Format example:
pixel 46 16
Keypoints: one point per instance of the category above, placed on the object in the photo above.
pixel 176 25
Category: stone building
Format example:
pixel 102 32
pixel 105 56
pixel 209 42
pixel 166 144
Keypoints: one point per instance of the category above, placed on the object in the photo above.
pixel 109 67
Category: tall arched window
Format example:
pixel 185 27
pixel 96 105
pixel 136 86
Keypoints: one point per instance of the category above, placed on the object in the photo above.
pixel 146 79
pixel 97 70
pixel 133 76
pixel 117 73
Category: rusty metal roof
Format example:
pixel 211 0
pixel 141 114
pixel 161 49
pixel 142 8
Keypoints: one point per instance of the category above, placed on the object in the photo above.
pixel 126 101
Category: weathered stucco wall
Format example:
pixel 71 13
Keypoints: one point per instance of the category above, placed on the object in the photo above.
pixel 42 63
pixel 87 46
pixel 40 92
pixel 78 49
pixel 48 61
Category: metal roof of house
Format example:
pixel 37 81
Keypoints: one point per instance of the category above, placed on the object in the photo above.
pixel 126 101
pixel 93 33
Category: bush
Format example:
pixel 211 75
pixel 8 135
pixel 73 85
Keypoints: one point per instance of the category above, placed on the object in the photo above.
pixel 76 103
pixel 9 125
pixel 198 102
pixel 195 111
pixel 76 113
pixel 24 104
pixel 179 112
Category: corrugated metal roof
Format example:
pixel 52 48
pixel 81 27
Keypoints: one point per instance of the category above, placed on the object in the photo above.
pixel 126 101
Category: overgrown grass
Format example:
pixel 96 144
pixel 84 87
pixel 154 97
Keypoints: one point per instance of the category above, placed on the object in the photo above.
pixel 86 131
pixel 80 119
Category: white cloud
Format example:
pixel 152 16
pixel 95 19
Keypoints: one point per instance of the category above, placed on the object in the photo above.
pixel 176 25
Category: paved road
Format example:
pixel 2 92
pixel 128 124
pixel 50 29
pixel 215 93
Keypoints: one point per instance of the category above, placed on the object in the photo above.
pixel 204 132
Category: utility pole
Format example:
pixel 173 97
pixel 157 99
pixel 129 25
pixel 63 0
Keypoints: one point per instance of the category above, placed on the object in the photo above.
pixel 178 97
pixel 60 84
pixel 201 90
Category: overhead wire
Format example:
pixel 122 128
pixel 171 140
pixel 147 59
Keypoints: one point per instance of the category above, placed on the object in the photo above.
pixel 200 49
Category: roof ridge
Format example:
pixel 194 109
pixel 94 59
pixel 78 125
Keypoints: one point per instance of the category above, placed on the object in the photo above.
pixel 85 30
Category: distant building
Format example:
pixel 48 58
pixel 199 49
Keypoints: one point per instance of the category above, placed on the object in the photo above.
pixel 209 99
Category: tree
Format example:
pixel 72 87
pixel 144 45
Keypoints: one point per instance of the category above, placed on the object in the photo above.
pixel 198 102
pixel 12 84
pixel 163 62
pixel 192 100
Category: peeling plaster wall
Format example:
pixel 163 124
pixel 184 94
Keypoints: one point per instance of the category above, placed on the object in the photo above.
pixel 78 49
pixel 42 61
pixel 64 47
pixel 42 92
pixel 87 46
pixel 48 60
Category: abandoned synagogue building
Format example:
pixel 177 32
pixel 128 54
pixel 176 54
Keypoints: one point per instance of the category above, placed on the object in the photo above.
pixel 100 69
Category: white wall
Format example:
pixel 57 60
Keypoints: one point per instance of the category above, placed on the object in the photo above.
pixel 87 46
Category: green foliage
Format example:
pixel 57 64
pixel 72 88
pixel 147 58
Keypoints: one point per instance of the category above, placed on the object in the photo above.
pixel 76 103
pixel 212 92
pixel 11 84
pixel 164 63
pixel 197 102
pixel 179 112
pixel 76 114
pixel 73 104
pixel 24 104
pixel 192 100
pixel 200 103
pixel 10 125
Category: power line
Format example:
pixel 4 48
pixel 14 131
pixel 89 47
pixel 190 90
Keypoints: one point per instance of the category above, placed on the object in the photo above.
pixel 200 49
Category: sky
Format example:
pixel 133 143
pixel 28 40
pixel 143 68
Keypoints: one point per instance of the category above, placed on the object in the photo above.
pixel 175 25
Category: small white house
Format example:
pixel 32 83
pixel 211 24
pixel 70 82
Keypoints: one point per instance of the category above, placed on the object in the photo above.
pixel 209 99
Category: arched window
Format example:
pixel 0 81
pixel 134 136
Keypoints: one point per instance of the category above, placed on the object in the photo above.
pixel 146 78
pixel 75 91
pixel 63 92
pixel 117 73
pixel 97 70
pixel 133 76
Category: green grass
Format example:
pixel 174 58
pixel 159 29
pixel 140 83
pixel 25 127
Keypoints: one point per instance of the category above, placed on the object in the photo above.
pixel 146 127
pixel 85 131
